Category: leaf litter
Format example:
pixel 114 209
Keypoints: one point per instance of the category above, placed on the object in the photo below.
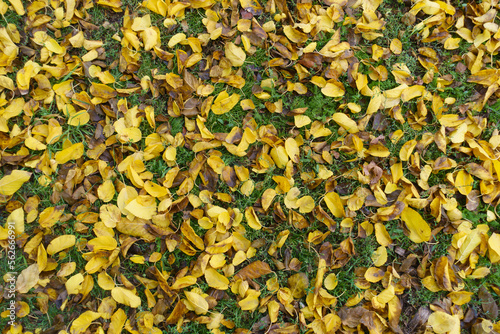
pixel 204 179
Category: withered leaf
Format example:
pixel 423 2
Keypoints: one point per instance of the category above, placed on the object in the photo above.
pixel 255 269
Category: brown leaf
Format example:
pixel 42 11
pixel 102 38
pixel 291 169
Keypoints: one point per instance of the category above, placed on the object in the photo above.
pixel 254 270
pixel 490 307
pixel 298 284
pixel 419 320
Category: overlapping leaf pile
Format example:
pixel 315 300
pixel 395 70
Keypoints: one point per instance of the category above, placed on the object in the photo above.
pixel 194 204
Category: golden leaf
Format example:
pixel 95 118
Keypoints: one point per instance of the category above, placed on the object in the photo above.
pixel 494 248
pixel 126 297
pixel 332 200
pixel 235 54
pixel 60 243
pixel 344 121
pixel 216 280
pixel 444 323
pixel 420 230
pixel 252 219
pixel 27 279
pixel 73 152
pixel 470 243
pixel 81 323
pixel 183 282
pixel 331 281
pixel 11 183
pixel 464 182
pixel 199 303
pixel 74 284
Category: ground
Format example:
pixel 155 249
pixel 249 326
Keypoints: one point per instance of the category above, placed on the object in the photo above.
pixel 249 166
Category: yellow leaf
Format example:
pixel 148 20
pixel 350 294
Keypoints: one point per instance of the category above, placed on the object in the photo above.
pixel 14 108
pixel 251 302
pixel 494 248
pixel 374 274
pixel 383 297
pixel 333 202
pixel 379 257
pixel 305 204
pixel 189 233
pixel 239 257
pixel 344 121
pixel 105 281
pixel 150 38
pixel 464 182
pixel 292 149
pixel 235 54
pixel 460 297
pixel 412 92
pixel 70 9
pixel 318 130
pixel 102 91
pixel 479 272
pixel 246 104
pixel 252 219
pixel 297 285
pixel 333 89
pixel 139 259
pixel 52 45
pixel 66 269
pixel 183 282
pixel 420 231
pixel 396 46
pixel 267 198
pixel 81 323
pixel 74 284
pixel 16 219
pixel 143 206
pixel 28 278
pixel 11 183
pixel 224 103
pixel 155 190
pixel 294 35
pixel 279 156
pixel 331 281
pixel 452 43
pixel 378 150
pixel 106 191
pixel 442 322
pixel 199 303
pixel 110 215
pixel 252 6
pixel 302 120
pixel 470 243
pixel 81 117
pixel 6 82
pixel 382 235
pixel 18 6
pixel 126 297
pixel 60 243
pixel 407 150
pixel 354 300
pixel 78 39
pixel 102 242
pixel 49 217
pixel 273 308
pixel 34 144
pixel 176 39
pixel 141 23
pixel 458 136
pixel 73 152
pixel 216 280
